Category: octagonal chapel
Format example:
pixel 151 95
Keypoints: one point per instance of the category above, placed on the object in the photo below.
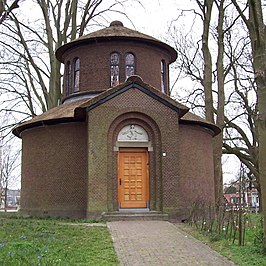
pixel 117 143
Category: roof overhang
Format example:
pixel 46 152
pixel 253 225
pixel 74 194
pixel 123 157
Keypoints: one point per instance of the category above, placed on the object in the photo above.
pixel 96 40
pixel 77 111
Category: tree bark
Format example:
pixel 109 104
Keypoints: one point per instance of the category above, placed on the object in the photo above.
pixel 257 34
pixel 218 140
pixel 207 74
pixel 257 31
pixel 208 90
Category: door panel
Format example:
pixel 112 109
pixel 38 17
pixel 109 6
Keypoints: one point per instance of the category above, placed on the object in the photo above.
pixel 133 179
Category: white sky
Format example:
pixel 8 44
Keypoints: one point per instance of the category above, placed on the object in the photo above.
pixel 155 16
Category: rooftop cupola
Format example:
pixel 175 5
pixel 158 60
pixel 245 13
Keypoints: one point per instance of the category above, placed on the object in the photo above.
pixel 107 57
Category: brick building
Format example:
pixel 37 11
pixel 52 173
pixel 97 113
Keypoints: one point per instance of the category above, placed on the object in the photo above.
pixel 117 142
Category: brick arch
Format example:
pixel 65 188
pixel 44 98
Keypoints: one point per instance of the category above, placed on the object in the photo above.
pixel 155 169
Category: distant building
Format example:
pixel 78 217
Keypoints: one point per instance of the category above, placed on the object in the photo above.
pixel 249 199
pixel 13 199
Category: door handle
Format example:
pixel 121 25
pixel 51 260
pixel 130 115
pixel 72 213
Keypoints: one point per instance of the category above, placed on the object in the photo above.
pixel 120 181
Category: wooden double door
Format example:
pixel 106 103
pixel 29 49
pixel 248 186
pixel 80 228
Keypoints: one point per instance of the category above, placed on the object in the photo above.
pixel 133 178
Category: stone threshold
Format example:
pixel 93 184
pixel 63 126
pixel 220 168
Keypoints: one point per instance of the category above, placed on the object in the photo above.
pixel 135 215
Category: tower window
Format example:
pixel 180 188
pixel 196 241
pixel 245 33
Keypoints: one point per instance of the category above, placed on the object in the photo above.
pixel 129 65
pixel 114 69
pixel 76 64
pixel 67 77
pixel 163 76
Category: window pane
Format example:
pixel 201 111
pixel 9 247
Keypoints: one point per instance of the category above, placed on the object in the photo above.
pixel 115 59
pixel 130 71
pixel 130 65
pixel 114 76
pixel 163 76
pixel 130 59
pixel 76 86
pixel 114 69
pixel 76 75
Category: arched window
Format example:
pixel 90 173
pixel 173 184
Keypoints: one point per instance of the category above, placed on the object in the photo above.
pixel 129 65
pixel 163 76
pixel 114 69
pixel 67 77
pixel 76 64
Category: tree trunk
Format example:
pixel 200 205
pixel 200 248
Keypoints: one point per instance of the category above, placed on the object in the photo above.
pixel 207 76
pixel 208 91
pixel 218 140
pixel 257 33
pixel 5 197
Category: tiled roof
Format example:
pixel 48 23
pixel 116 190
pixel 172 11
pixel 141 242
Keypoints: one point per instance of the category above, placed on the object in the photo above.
pixel 76 110
pixel 190 118
pixel 116 31
pixel 63 112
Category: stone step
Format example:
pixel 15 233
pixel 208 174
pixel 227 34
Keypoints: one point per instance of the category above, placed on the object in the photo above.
pixel 133 216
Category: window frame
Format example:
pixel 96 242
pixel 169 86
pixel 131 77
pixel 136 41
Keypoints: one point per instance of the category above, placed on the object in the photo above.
pixel 76 75
pixel 114 69
pixel 130 64
pixel 163 76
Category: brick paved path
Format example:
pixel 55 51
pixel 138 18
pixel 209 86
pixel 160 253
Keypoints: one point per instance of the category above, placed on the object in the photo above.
pixel 160 243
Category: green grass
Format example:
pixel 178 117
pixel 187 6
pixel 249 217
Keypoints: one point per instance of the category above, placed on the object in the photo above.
pixel 249 254
pixel 54 242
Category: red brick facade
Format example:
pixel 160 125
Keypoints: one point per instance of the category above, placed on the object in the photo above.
pixel 70 153
pixel 96 59
pixel 54 170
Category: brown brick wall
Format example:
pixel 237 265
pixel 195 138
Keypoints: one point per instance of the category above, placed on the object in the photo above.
pixel 71 169
pixel 133 106
pixel 196 166
pixel 183 176
pixel 95 63
pixel 54 170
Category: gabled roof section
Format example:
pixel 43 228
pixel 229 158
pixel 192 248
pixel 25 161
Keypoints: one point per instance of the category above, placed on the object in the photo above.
pixel 137 83
pixel 116 31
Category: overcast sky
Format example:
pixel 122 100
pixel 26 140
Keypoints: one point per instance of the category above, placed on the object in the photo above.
pixel 154 17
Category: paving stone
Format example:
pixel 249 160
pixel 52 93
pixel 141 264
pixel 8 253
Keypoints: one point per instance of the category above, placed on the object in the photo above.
pixel 160 243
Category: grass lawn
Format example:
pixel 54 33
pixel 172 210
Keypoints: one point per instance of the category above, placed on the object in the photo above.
pixel 247 255
pixel 54 242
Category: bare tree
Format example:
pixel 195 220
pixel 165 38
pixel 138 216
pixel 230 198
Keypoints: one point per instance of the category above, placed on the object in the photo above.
pixel 9 165
pixel 9 162
pixel 218 141
pixel 240 135
pixel 7 8
pixel 243 76
pixel 257 33
pixel 30 75
pixel 191 64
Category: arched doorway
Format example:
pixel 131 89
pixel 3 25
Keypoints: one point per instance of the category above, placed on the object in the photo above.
pixel 133 168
